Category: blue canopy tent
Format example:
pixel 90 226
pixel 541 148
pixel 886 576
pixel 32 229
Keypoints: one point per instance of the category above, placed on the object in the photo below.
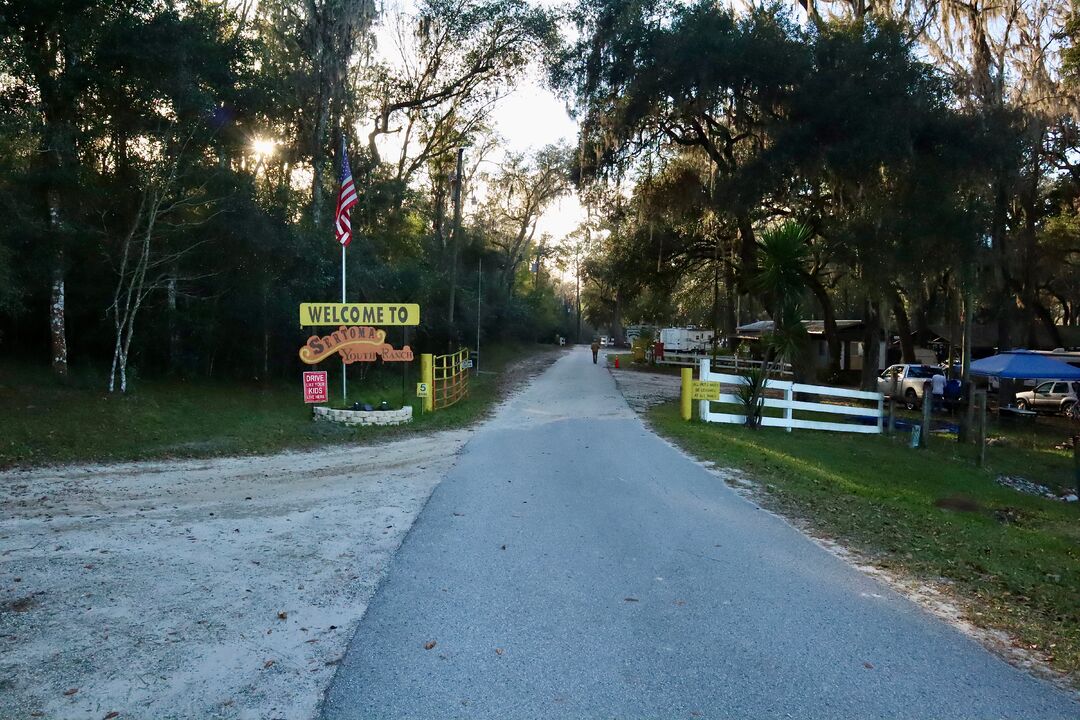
pixel 1024 365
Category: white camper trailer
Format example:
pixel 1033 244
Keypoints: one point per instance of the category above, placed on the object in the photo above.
pixel 686 340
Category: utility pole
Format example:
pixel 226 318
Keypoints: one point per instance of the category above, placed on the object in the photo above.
pixel 479 298
pixel 456 230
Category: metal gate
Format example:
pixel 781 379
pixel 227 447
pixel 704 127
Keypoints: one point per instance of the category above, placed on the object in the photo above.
pixel 450 379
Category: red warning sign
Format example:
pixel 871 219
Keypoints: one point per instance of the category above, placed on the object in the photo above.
pixel 315 389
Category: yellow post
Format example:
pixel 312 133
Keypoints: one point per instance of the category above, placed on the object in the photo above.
pixel 427 375
pixel 686 398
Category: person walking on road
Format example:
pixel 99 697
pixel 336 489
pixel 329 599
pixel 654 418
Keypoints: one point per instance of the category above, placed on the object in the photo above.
pixel 595 349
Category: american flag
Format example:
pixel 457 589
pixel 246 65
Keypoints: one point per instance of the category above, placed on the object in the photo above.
pixel 346 200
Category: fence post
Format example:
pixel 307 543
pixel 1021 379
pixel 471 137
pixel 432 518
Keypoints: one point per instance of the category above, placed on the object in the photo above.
pixel 966 428
pixel 427 375
pixel 892 416
pixel 1076 462
pixel 927 406
pixel 880 413
pixel 704 370
pixel 789 414
pixel 686 404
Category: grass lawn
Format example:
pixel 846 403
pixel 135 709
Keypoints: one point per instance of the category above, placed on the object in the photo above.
pixel 44 422
pixel 1013 559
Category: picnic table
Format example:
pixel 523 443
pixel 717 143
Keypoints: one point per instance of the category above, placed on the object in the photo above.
pixel 1012 413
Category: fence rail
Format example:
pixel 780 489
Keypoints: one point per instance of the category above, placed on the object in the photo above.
pixel 734 363
pixel 789 405
pixel 677 358
pixel 721 363
pixel 450 380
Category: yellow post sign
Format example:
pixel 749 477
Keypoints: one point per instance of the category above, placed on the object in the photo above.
pixel 423 390
pixel 706 390
pixel 686 407
pixel 394 314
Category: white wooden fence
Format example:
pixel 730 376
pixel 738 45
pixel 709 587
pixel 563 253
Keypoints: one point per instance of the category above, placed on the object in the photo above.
pixel 789 405
pixel 722 362
pixel 735 364
pixel 679 358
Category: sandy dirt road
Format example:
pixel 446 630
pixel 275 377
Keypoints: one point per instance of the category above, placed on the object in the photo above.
pixel 223 588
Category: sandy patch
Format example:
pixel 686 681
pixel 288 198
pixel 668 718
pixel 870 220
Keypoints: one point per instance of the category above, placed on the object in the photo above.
pixel 643 389
pixel 221 588
pixel 225 588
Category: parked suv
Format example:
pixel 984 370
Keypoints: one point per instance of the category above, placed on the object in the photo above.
pixel 905 382
pixel 1054 396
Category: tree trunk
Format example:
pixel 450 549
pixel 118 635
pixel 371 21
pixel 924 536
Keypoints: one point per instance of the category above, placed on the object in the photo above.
pixel 903 324
pixel 871 343
pixel 1044 315
pixel 715 315
pixel 266 335
pixel 440 213
pixel 747 249
pixel 455 239
pixel 828 317
pixel 1001 270
pixel 577 294
pixel 57 324
pixel 174 335
pixel 616 322
pixel 730 321
pixel 965 361
pixel 57 300
pixel 322 100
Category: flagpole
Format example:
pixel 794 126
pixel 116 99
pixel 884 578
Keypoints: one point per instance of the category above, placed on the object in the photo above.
pixel 344 381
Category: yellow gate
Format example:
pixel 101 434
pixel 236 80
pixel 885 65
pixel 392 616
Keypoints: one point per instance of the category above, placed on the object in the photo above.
pixel 448 378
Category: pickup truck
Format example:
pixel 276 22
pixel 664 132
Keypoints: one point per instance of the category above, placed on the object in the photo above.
pixel 904 383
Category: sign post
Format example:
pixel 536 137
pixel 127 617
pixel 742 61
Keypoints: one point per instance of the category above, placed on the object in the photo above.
pixel 685 397
pixel 344 365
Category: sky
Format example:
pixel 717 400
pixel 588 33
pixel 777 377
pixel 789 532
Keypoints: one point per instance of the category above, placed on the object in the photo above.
pixel 527 119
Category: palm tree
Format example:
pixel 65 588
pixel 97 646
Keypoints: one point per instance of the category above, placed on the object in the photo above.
pixel 780 280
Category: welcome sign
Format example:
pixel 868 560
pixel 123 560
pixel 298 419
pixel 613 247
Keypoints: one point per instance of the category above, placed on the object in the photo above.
pixel 393 314
pixel 353 344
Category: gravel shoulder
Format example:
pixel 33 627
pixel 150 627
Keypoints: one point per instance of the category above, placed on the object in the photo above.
pixel 221 588
pixel 643 389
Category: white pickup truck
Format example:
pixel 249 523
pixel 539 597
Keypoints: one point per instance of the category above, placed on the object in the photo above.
pixel 904 383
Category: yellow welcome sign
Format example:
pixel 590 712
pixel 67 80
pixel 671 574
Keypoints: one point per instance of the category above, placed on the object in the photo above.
pixel 393 314
pixel 354 344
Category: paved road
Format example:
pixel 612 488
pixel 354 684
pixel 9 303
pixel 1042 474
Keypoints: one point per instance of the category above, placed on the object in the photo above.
pixel 573 565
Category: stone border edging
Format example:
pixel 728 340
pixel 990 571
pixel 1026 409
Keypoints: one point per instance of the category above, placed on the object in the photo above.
pixel 365 417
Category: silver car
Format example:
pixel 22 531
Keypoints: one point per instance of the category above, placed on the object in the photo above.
pixel 1052 396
